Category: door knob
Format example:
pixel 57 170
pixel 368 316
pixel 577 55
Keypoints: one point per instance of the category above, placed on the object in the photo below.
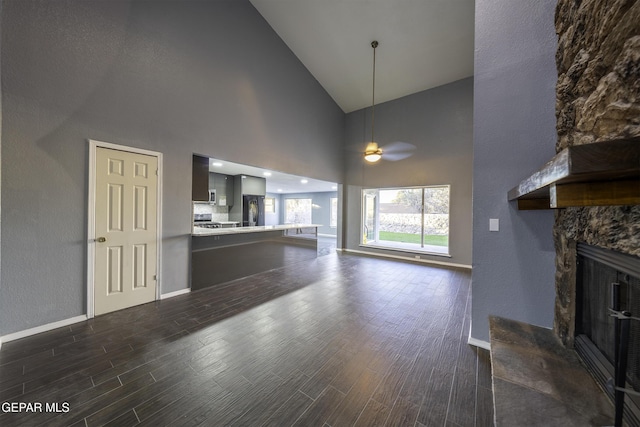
pixel 101 239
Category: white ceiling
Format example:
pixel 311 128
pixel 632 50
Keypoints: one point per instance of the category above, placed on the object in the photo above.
pixel 422 44
pixel 277 182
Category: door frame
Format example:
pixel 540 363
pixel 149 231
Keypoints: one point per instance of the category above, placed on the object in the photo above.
pixel 91 217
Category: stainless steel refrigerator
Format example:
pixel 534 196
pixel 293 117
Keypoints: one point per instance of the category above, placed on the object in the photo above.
pixel 252 210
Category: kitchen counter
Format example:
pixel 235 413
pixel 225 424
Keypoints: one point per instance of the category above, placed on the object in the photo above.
pixel 221 255
pixel 199 232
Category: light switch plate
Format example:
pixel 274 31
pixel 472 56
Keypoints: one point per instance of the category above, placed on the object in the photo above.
pixel 494 224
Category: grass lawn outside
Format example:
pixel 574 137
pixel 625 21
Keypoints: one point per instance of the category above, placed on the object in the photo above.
pixel 436 240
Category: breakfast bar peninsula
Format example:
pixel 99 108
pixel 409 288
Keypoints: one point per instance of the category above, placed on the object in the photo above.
pixel 220 255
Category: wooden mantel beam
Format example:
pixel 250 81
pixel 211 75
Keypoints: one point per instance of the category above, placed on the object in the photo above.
pixel 599 193
pixel 603 173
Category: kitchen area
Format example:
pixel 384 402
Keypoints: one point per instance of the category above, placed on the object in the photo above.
pixel 248 220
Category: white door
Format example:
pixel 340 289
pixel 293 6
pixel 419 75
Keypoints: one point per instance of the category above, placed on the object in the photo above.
pixel 125 229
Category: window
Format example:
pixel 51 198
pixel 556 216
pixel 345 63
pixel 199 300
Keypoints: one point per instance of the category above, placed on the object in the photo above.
pixel 412 219
pixel 269 205
pixel 297 211
pixel 333 222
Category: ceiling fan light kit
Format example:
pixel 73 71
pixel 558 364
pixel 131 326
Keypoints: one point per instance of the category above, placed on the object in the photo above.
pixel 372 157
pixel 372 153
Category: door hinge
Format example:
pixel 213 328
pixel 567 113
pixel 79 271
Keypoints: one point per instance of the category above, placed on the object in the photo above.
pixel 155 277
pixel 156 172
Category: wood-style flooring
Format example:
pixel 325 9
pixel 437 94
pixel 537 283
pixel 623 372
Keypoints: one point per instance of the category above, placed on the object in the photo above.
pixel 342 340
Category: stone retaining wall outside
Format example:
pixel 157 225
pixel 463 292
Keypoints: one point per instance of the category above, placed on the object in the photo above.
pixel 436 224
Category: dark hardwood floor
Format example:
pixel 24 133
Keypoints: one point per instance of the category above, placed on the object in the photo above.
pixel 342 340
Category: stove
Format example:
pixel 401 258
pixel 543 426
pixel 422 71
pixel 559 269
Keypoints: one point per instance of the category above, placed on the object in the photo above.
pixel 203 220
pixel 208 225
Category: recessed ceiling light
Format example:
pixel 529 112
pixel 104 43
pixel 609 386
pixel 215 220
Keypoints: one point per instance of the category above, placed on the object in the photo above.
pixel 304 181
pixel 217 164
pixel 266 173
pixel 279 190
pixel 333 187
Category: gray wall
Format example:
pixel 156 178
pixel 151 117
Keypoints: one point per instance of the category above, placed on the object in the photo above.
pixel 514 134
pixel 172 76
pixel 437 121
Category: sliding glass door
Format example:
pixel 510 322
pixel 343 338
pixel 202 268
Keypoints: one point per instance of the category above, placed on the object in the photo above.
pixel 414 219
pixel 370 202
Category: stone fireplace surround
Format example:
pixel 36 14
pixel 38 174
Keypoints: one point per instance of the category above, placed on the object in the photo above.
pixel 597 99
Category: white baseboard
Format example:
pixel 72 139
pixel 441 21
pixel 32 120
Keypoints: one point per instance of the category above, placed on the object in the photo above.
pixel 175 293
pixel 43 328
pixel 61 323
pixel 406 258
pixel 478 343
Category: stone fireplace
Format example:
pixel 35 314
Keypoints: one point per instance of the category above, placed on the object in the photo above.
pixel 597 100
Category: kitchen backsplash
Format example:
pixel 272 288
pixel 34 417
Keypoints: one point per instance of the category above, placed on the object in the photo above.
pixel 218 213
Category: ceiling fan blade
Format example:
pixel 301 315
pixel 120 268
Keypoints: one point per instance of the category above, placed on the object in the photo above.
pixel 394 157
pixel 398 146
pixel 397 150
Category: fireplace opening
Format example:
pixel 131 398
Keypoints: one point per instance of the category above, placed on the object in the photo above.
pixel 595 342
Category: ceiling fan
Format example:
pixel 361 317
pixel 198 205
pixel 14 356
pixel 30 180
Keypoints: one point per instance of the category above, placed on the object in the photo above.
pixel 394 151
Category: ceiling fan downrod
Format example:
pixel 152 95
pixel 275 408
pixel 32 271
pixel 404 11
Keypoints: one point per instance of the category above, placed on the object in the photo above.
pixel 374 45
pixel 373 153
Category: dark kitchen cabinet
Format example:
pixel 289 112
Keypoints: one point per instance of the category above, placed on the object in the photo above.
pixel 200 179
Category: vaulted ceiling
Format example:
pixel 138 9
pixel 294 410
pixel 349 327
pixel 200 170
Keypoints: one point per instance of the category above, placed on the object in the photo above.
pixel 422 44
